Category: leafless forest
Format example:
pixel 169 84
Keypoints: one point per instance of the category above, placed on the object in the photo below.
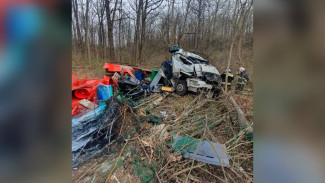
pixel 139 32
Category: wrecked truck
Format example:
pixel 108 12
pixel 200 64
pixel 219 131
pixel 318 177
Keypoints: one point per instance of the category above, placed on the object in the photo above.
pixel 189 72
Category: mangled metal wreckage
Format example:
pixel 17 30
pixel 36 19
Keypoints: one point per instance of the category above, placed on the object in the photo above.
pixel 189 72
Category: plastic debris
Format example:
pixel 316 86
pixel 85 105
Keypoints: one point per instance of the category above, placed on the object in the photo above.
pixel 154 86
pixel 164 88
pixel 138 74
pixel 164 113
pixel 85 89
pixel 93 131
pixel 111 68
pixel 86 103
pixel 134 80
pixel 153 74
pixel 132 88
pixel 155 119
pixel 128 70
pixel 104 92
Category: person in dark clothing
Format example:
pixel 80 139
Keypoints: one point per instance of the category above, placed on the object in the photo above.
pixel 229 79
pixel 243 78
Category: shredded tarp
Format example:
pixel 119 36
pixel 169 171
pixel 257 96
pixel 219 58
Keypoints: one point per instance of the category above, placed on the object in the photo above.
pixel 132 88
pixel 92 131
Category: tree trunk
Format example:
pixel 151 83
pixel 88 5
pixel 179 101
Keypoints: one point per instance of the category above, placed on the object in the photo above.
pixel 120 31
pixel 110 15
pixel 76 16
pixel 234 34
pixel 143 31
pixel 173 28
pixel 184 23
pixel 241 34
pixel 87 31
pixel 74 38
pixel 199 24
pixel 241 116
pixel 111 42
pixel 137 32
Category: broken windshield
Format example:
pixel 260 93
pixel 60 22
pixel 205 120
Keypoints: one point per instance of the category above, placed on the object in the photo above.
pixel 197 61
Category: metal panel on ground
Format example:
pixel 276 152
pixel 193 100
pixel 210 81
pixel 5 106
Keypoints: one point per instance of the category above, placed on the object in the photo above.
pixel 207 152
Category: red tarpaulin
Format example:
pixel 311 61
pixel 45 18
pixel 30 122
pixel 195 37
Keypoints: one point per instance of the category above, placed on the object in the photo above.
pixel 87 88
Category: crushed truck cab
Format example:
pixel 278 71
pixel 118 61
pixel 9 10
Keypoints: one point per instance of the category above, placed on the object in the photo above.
pixel 189 72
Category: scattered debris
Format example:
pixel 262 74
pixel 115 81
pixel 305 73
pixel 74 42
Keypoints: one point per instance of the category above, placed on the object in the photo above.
pixel 104 92
pixel 86 103
pixel 204 151
pixel 123 69
pixel 89 135
pixel 154 87
pixel 124 127
pixel 85 89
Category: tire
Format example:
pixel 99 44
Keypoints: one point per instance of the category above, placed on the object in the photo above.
pixel 181 87
pixel 217 91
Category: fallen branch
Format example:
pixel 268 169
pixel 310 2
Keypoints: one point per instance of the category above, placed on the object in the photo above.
pixel 187 169
pixel 145 152
pixel 241 116
pixel 118 159
pixel 199 131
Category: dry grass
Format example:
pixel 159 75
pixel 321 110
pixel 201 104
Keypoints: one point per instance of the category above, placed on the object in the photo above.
pixel 157 160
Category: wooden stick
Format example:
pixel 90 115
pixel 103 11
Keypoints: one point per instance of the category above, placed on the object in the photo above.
pixel 118 159
pixel 144 150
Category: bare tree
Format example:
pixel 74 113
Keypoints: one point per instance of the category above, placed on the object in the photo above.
pixel 245 13
pixel 180 36
pixel 139 31
pixel 76 18
pixel 87 31
pixel 145 10
pixel 173 28
pixel 110 16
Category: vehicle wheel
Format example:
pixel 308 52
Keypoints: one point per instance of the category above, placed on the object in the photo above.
pixel 181 87
pixel 217 92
